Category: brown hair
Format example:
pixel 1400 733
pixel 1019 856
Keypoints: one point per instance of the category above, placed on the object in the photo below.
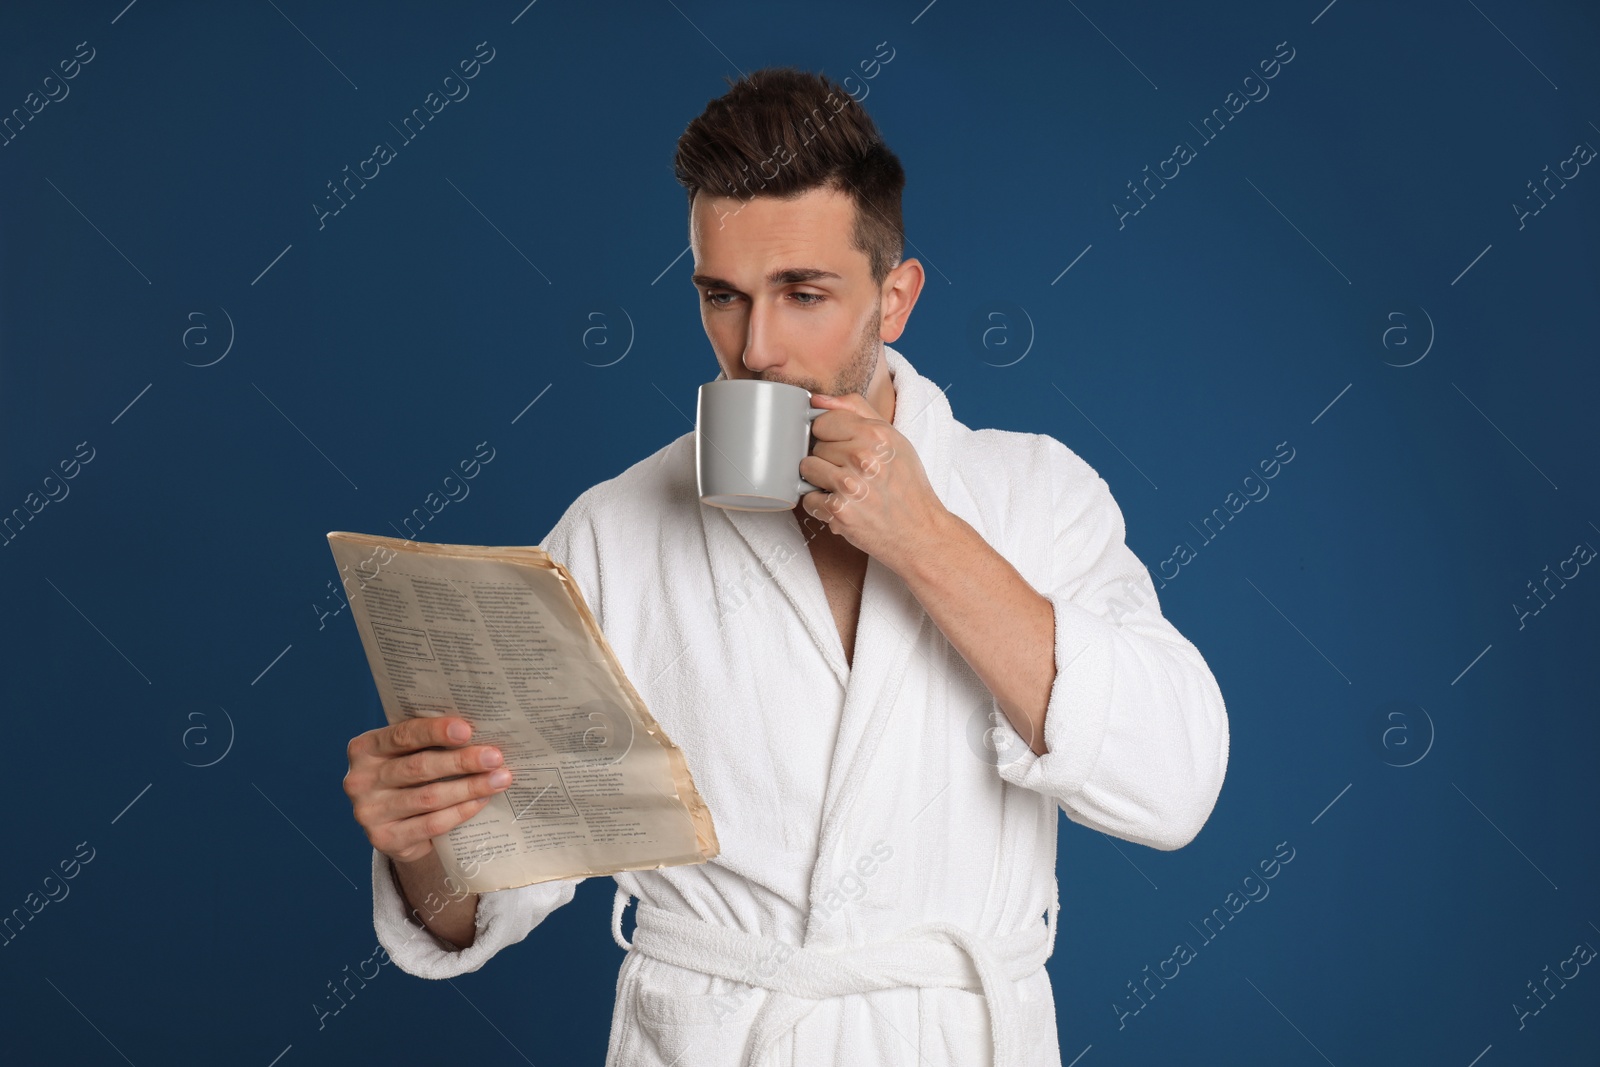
pixel 815 135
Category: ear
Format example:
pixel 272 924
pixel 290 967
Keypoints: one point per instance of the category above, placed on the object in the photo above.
pixel 904 285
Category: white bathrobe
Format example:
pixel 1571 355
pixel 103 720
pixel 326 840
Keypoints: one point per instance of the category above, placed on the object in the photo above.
pixel 886 889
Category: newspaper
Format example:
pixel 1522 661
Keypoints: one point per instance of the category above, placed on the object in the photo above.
pixel 502 637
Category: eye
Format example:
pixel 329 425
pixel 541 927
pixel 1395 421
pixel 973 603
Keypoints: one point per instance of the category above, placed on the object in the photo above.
pixel 803 299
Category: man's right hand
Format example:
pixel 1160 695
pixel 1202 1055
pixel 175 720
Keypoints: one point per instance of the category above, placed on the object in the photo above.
pixel 394 788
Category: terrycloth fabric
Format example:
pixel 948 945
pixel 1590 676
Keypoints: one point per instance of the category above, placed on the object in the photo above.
pixel 857 804
pixel 930 955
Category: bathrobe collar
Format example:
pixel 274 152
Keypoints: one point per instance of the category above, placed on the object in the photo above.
pixel 891 622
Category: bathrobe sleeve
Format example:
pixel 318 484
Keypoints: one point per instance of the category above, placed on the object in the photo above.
pixel 504 918
pixel 1136 733
pixel 508 915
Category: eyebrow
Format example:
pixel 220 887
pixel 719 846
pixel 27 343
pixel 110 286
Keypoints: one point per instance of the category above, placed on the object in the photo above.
pixel 781 276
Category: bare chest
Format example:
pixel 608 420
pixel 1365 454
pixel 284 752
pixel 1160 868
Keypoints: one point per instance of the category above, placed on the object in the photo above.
pixel 842 570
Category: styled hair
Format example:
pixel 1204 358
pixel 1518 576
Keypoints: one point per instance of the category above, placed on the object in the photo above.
pixel 781 132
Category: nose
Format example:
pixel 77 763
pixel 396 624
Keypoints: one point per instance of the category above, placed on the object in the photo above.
pixel 761 347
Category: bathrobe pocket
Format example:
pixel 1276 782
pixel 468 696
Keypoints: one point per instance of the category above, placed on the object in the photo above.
pixel 954 1031
pixel 687 1028
pixel 953 1028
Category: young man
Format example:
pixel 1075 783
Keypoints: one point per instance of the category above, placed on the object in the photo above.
pixel 884 696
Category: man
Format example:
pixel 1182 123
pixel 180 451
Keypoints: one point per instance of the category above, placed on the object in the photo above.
pixel 884 697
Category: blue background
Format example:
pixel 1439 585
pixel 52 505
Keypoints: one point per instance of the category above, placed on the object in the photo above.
pixel 1340 269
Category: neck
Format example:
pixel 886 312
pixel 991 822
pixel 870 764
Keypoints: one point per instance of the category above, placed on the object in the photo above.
pixel 880 391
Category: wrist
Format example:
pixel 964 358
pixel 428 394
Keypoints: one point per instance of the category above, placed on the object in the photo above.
pixel 941 538
pixel 414 913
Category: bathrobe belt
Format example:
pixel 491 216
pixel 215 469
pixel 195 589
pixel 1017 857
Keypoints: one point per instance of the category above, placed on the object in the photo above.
pixel 928 955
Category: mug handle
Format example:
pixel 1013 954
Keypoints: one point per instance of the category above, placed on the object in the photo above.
pixel 804 486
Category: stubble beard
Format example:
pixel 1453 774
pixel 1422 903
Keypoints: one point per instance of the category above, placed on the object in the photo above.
pixel 857 376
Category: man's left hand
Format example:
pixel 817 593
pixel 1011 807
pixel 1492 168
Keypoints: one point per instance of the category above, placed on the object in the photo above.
pixel 875 493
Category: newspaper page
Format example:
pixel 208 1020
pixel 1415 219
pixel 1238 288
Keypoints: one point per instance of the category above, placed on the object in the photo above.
pixel 502 637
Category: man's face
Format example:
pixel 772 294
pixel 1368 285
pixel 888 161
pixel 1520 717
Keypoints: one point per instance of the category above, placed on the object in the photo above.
pixel 823 332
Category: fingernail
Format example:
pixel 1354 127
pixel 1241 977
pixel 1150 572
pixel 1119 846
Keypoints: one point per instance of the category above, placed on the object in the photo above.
pixel 459 731
pixel 499 778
